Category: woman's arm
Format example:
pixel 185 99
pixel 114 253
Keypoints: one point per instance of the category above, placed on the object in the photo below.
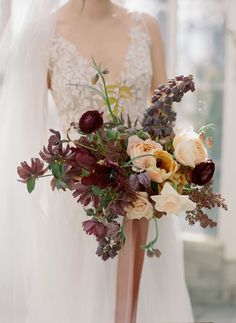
pixel 158 53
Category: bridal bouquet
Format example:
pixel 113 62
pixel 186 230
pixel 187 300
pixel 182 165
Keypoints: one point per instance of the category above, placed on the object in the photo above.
pixel 117 171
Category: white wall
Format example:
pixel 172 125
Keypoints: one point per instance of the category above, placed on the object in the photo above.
pixel 227 223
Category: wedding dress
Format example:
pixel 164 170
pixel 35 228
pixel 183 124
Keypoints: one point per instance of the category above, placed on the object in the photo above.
pixel 66 281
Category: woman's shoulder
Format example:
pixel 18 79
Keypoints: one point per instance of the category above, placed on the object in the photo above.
pixel 151 23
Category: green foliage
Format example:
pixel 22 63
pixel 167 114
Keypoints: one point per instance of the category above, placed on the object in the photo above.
pixel 31 184
pixel 57 169
pixel 85 172
pixel 111 134
pixel 97 191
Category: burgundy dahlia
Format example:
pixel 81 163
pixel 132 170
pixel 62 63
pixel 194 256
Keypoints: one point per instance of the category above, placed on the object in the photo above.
pixel 91 121
pixel 83 158
pixel 102 176
pixel 203 173
pixel 26 171
pixel 93 227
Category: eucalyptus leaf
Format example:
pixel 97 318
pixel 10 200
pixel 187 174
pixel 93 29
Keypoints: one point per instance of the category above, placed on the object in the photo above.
pixel 31 184
pixel 97 191
pixel 111 134
pixel 57 169
pixel 85 172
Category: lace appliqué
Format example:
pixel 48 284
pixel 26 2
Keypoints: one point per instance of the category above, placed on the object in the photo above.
pixel 70 73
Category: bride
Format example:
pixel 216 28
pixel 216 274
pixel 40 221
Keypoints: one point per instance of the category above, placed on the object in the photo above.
pixel 49 272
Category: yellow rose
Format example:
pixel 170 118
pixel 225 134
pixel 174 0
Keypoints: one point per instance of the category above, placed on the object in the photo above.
pixel 142 208
pixel 163 167
pixel 189 148
pixel 138 147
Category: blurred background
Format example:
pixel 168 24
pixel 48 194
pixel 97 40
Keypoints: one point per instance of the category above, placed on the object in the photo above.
pixel 200 39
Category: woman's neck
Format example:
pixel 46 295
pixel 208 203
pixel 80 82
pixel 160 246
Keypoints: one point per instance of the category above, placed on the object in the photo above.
pixel 93 9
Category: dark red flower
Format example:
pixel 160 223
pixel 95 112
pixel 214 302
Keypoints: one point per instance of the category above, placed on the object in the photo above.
pixel 26 171
pixel 203 173
pixel 85 195
pixel 102 176
pixel 83 158
pixel 93 227
pixel 91 121
pixel 53 152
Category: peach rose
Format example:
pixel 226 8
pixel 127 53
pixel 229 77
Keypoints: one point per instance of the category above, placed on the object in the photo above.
pixel 163 168
pixel 142 208
pixel 138 147
pixel 189 148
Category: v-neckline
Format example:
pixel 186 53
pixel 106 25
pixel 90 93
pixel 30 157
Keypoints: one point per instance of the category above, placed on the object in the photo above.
pixel 88 62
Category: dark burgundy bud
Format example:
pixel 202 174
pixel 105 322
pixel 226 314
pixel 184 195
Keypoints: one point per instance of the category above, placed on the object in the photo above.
pixel 91 121
pixel 84 158
pixel 203 173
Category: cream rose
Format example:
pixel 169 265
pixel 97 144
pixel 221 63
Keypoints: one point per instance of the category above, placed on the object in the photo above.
pixel 189 148
pixel 138 147
pixel 142 208
pixel 163 168
pixel 171 202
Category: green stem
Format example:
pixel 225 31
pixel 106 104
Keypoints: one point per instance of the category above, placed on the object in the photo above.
pixel 77 143
pixel 122 232
pixel 105 91
pixel 49 175
pixel 150 245
pixel 100 141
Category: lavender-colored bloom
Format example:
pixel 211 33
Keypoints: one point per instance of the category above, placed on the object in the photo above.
pixel 107 249
pixel 159 117
pixel 113 229
pixel 93 227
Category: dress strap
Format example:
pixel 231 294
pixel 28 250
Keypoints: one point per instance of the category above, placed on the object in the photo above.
pixel 139 26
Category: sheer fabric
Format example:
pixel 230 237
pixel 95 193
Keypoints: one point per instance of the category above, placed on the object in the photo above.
pixel 48 271
pixel 67 67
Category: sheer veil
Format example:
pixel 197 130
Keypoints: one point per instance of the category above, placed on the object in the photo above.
pixel 42 269
pixel 23 124
pixel 23 128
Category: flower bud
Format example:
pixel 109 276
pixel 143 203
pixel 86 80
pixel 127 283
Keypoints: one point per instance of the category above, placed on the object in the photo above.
pixel 91 121
pixel 203 173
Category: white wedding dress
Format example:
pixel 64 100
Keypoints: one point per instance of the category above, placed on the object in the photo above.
pixel 80 287
pixel 67 282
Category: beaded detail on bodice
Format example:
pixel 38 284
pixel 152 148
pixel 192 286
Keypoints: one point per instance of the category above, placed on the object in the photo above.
pixel 69 71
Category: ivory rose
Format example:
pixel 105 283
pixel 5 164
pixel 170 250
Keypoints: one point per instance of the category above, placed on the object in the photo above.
pixel 189 148
pixel 171 202
pixel 138 147
pixel 163 167
pixel 142 208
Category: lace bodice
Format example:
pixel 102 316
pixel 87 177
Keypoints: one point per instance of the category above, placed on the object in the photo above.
pixel 67 67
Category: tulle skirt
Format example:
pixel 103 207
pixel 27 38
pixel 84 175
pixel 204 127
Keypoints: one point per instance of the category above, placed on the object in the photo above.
pixel 70 284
